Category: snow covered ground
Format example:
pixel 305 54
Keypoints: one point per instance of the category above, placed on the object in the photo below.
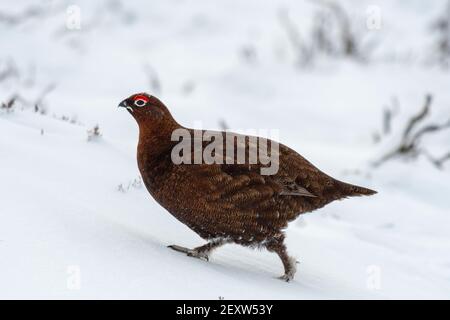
pixel 75 220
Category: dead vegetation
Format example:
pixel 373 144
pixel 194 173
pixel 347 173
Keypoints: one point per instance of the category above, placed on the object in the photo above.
pixel 37 104
pixel 153 79
pixel 94 133
pixel 23 82
pixel 35 11
pixel 8 105
pixel 347 42
pixel 389 113
pixel 411 143
pixel 8 70
pixel 333 34
pixel 441 48
pixel 133 184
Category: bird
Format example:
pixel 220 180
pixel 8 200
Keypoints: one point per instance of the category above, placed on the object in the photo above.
pixel 229 201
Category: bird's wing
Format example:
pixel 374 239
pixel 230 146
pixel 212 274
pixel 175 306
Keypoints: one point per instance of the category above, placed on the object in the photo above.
pixel 241 189
pixel 232 198
pixel 233 180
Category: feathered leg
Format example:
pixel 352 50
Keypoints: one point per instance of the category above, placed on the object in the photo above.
pixel 201 252
pixel 289 263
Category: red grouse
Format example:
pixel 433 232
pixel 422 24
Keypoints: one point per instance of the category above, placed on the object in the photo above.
pixel 230 199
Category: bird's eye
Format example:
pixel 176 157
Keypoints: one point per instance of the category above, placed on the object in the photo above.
pixel 140 102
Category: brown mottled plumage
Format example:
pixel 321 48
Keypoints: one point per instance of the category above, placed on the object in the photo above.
pixel 229 203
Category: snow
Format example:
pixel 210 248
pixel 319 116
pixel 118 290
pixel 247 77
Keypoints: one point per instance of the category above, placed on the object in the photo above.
pixel 63 215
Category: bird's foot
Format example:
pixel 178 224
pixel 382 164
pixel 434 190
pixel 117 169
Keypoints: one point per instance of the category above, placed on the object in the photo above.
pixel 179 248
pixel 286 277
pixel 290 272
pixel 200 254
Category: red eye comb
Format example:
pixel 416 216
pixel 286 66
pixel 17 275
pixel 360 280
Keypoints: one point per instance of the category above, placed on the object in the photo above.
pixel 141 97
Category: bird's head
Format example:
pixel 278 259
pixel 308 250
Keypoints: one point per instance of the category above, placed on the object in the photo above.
pixel 147 110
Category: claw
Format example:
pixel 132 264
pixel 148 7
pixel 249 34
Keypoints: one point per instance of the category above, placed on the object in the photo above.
pixel 179 249
pixel 190 252
pixel 199 255
pixel 286 277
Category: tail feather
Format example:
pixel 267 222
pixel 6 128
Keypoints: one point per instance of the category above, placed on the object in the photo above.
pixel 350 190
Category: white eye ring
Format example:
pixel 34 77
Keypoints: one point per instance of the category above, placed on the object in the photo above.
pixel 140 103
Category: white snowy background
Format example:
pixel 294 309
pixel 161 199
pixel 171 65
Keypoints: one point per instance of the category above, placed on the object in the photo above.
pixel 75 222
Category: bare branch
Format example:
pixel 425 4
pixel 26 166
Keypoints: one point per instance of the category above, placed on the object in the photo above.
pixel 153 79
pixel 419 117
pixel 439 162
pixel 430 129
pixel 387 121
pixel 409 145
pixel 33 11
pixel 304 53
pixel 350 46
pixel 39 101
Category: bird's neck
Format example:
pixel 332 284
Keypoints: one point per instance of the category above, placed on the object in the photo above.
pixel 155 140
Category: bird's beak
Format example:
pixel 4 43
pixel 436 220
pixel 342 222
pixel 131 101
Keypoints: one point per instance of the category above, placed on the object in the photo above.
pixel 124 104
